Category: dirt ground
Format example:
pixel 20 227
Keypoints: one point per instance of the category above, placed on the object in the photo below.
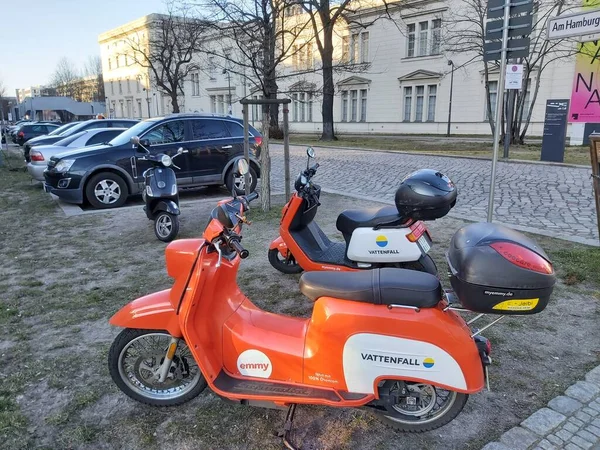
pixel 62 278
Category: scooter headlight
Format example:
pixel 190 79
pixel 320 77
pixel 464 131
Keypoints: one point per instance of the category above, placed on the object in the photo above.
pixel 166 160
pixel 149 191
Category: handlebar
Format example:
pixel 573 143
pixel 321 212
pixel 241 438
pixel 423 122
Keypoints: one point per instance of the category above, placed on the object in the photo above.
pixel 252 196
pixel 234 243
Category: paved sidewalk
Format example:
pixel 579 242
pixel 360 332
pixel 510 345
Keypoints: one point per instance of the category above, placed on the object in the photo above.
pixel 570 421
pixel 552 200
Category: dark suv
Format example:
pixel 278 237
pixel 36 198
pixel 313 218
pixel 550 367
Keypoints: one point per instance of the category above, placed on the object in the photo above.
pixel 29 131
pixel 81 126
pixel 105 175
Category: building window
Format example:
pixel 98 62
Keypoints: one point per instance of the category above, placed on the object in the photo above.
pixel 344 106
pixel 436 36
pixel 302 57
pixel 213 104
pixel 120 87
pixel 345 48
pixel 354 49
pixel 139 107
pixel 493 85
pixel 353 105
pixel 419 104
pixel 109 64
pixel 431 99
pixel 112 88
pixel 211 67
pixel 423 27
pixel 429 39
pixel 128 87
pixel 196 84
pixel 302 108
pixel 117 61
pixel 407 103
pixel 364 47
pixel 138 85
pixel 363 105
pixel 411 40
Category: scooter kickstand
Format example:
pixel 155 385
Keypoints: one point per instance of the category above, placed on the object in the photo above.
pixel 287 427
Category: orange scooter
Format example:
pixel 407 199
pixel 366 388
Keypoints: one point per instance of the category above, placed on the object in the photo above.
pixel 388 338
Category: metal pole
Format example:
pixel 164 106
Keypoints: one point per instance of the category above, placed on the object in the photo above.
pixel 229 91
pixel 286 151
pixel 450 105
pixel 594 152
pixel 499 102
pixel 246 147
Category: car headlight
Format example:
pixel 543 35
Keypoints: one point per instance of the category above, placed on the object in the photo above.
pixel 64 165
pixel 166 160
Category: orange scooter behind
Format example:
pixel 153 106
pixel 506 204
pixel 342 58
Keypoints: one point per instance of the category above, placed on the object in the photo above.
pixel 414 362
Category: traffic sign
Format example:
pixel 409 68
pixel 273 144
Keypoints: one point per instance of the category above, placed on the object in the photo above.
pixel 495 8
pixel 516 48
pixel 571 25
pixel 514 76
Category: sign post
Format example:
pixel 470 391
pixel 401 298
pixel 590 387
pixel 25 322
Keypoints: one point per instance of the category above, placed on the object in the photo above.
pixel 506 35
pixel 513 83
pixel 555 130
pixel 595 158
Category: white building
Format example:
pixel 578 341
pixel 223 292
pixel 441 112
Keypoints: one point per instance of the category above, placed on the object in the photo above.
pixel 399 82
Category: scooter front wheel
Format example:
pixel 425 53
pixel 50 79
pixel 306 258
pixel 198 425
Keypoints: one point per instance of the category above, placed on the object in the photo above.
pixel 287 265
pixel 166 226
pixel 422 407
pixel 135 359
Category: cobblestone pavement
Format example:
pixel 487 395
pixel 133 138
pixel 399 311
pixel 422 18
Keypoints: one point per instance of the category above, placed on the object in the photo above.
pixel 570 422
pixel 552 200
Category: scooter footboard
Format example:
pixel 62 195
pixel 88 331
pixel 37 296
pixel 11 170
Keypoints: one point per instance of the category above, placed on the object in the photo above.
pixel 151 312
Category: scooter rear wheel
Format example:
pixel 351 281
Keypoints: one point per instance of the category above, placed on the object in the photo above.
pixel 134 360
pixel 166 226
pixel 287 265
pixel 427 409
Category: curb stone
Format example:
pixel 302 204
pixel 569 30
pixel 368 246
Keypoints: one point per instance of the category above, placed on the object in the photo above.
pixel 570 421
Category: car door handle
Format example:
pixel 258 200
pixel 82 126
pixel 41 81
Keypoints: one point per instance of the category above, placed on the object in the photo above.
pixel 225 147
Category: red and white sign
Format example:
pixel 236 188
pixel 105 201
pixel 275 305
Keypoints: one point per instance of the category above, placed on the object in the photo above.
pixel 254 363
pixel 514 76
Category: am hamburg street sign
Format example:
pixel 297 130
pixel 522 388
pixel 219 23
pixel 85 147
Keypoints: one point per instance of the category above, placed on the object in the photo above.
pixel 572 25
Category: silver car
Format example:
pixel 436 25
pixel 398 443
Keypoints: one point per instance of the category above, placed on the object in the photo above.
pixel 41 154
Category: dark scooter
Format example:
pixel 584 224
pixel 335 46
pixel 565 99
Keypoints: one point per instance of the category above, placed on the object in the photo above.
pixel 160 192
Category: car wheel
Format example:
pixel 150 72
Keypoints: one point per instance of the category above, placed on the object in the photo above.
pixel 237 181
pixel 106 190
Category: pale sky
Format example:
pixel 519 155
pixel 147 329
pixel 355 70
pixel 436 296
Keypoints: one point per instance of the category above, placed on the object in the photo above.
pixel 35 34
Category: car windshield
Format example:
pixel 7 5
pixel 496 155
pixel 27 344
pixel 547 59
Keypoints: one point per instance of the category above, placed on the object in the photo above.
pixel 62 130
pixel 66 141
pixel 135 130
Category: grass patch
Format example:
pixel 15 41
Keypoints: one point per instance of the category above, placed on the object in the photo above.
pixel 428 144
pixel 577 265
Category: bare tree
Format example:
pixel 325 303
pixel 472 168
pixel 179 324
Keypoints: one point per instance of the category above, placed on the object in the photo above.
pixel 168 49
pixel 465 34
pixel 65 78
pixel 93 68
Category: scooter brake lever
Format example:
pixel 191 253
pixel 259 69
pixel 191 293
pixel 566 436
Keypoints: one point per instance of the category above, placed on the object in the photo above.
pixel 218 248
pixel 177 167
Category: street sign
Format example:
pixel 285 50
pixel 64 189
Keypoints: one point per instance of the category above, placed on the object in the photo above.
pixel 517 26
pixel 516 48
pixel 495 8
pixel 571 25
pixel 514 76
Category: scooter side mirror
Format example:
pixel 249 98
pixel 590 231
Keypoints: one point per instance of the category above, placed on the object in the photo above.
pixel 310 152
pixel 242 166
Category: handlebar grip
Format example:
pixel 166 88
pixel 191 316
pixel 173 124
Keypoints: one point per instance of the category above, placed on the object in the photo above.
pixel 252 196
pixel 235 244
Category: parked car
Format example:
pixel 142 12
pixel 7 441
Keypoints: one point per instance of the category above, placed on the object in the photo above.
pixel 81 126
pixel 104 176
pixel 41 154
pixel 32 130
pixel 11 131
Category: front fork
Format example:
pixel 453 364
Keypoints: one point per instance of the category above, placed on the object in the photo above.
pixel 163 372
pixel 484 347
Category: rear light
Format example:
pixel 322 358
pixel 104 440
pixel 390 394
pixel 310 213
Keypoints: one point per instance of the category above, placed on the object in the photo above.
pixel 21 134
pixel 258 140
pixel 522 257
pixel 418 229
pixel 36 156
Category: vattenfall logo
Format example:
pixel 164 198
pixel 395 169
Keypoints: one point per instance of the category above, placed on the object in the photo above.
pixel 428 363
pixel 382 241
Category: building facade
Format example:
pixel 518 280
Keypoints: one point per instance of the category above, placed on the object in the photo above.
pixel 393 75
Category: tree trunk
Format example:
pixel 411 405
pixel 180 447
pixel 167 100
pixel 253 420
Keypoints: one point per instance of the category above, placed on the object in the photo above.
pixel 328 88
pixel 265 164
pixel 174 102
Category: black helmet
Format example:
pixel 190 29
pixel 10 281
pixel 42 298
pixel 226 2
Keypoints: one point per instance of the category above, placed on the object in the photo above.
pixel 425 195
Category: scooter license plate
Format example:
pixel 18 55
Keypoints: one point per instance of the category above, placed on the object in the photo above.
pixel 424 244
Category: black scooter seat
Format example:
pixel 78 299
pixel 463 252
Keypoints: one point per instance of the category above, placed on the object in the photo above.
pixel 387 286
pixel 352 219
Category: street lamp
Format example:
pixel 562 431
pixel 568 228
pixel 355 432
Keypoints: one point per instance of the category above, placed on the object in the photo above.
pixel 154 95
pixel 450 63
pixel 225 71
pixel 107 107
pixel 148 101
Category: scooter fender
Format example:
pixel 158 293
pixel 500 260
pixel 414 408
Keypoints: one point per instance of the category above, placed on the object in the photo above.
pixel 280 245
pixel 151 312
pixel 166 205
